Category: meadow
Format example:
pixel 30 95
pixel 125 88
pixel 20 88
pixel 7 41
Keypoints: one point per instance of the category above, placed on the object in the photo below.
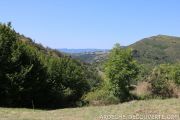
pixel 168 107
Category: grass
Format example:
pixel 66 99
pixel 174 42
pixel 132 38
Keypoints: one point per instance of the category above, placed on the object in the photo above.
pixel 162 107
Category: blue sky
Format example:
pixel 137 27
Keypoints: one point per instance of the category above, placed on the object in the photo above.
pixel 91 23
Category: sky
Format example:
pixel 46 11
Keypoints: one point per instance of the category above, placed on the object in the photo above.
pixel 91 23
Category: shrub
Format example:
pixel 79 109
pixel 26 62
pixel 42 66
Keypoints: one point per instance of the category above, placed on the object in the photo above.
pixel 176 74
pixel 162 82
pixel 101 96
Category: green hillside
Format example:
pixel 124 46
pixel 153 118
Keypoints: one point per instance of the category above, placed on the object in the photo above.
pixel 157 49
pixel 153 50
pixel 32 75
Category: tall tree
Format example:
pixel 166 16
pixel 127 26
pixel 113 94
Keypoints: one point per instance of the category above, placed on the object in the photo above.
pixel 8 40
pixel 23 77
pixel 121 70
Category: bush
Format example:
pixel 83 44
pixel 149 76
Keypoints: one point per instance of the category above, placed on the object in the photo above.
pixel 162 82
pixel 101 96
pixel 176 74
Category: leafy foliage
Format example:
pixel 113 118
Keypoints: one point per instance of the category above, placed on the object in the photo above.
pixel 34 76
pixel 121 70
pixel 164 80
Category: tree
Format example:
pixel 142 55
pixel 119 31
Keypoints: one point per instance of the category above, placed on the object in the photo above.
pixel 23 76
pixel 8 40
pixel 69 79
pixel 121 70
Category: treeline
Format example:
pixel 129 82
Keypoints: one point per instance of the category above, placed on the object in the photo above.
pixel 32 76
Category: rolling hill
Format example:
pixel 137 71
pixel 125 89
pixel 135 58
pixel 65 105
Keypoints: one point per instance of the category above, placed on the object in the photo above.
pixel 152 50
pixel 157 49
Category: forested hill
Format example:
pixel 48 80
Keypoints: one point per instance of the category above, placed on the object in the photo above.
pixel 40 47
pixel 153 50
pixel 34 76
pixel 157 49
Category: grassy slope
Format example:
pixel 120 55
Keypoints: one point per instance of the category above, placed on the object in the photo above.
pixel 169 106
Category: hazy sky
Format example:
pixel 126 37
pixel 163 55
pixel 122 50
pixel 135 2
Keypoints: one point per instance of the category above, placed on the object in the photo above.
pixel 91 23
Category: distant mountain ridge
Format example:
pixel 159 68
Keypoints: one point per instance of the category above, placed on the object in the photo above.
pixel 71 51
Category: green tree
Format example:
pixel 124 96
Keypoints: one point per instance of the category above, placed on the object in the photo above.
pixel 23 77
pixel 69 79
pixel 121 70
pixel 8 40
